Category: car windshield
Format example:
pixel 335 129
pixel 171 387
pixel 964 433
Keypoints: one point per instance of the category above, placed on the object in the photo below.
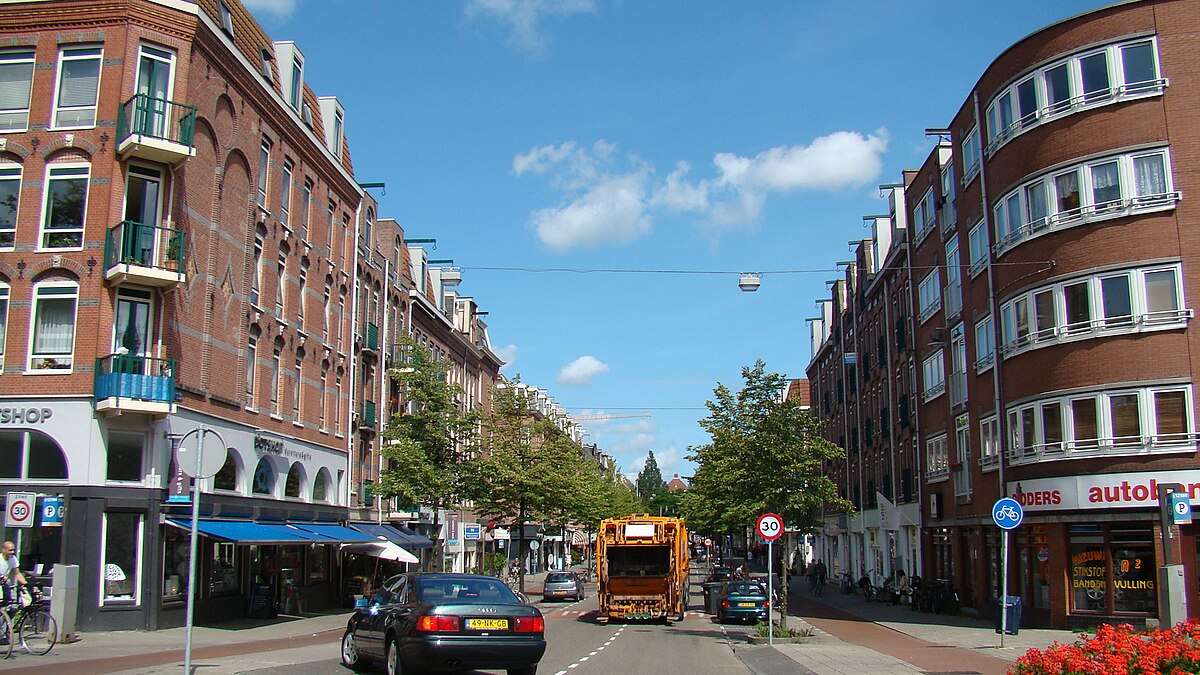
pixel 442 591
pixel 559 577
pixel 745 588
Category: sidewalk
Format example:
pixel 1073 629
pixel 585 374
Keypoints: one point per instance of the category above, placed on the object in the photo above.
pixel 856 636
pixel 256 643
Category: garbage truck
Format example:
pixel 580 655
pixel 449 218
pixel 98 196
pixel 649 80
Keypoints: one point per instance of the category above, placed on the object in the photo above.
pixel 642 568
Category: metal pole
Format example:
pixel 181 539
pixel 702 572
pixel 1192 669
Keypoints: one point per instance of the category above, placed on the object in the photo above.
pixel 770 593
pixel 191 595
pixel 1003 585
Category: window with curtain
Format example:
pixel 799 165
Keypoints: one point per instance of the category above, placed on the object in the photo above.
pixel 16 82
pixel 1106 184
pixel 53 346
pixel 1162 293
pixel 66 204
pixel 1066 187
pixel 1150 175
pixel 78 87
pixel 1084 425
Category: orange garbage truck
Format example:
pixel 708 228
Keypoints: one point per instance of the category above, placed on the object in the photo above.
pixel 642 567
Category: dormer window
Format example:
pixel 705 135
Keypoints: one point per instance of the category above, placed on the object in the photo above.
pixel 264 63
pixel 297 82
pixel 290 63
pixel 333 117
pixel 226 19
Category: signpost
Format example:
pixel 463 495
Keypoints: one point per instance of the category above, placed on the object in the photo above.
pixel 199 464
pixel 1007 514
pixel 769 527
pixel 19 509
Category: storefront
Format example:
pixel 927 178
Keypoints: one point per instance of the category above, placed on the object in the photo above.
pixel 1091 547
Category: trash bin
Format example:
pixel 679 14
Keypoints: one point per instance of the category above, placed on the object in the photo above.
pixel 1011 606
pixel 712 596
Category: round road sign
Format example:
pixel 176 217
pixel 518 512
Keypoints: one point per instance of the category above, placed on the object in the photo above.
pixel 1007 513
pixel 19 511
pixel 770 526
pixel 707 541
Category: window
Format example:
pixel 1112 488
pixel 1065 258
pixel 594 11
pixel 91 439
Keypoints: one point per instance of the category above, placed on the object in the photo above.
pixel 323 398
pixel 226 18
pixel 10 196
pixel 264 166
pixel 294 96
pixel 953 278
pixel 175 564
pixel 989 442
pixel 1162 295
pixel 223 577
pixel 260 237
pixel 31 455
pixel 122 555
pixel 985 344
pixel 972 159
pixel 958 365
pixel 1116 300
pixel 325 327
pixel 947 211
pixel 962 463
pixel 264 478
pixel 285 198
pixel 929 295
pixel 78 88
pixel 251 366
pixel 1119 422
pixel 321 489
pixel 65 206
pixel 303 282
pixel 933 370
pixel 1106 188
pixel 227 478
pixel 125 457
pixel 280 279
pixel 329 227
pixel 977 243
pixel 4 290
pixel 923 215
pixel 338 131
pixel 264 63
pixel 297 386
pixel 16 83
pixel 276 377
pixel 53 341
pixel 937 461
pixel 305 202
pixel 1114 73
pixel 293 487
pixel 337 404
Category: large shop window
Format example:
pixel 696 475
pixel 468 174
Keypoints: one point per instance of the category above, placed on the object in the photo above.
pixel 175 564
pixel 31 455
pixel 122 555
pixel 223 576
pixel 1113 569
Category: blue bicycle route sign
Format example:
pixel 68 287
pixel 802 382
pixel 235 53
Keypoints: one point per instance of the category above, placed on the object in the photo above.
pixel 1007 513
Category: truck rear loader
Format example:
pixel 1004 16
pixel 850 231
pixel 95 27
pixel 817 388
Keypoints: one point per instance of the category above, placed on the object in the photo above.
pixel 642 567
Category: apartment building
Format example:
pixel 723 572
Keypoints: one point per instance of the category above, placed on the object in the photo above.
pixel 1046 349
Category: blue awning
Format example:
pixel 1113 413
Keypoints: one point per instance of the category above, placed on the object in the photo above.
pixel 250 532
pixel 401 536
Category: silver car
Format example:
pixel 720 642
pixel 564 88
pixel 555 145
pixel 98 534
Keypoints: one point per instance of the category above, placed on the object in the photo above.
pixel 563 585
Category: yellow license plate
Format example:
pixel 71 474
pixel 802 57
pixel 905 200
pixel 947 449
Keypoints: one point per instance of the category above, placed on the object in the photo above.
pixel 487 624
pixel 745 604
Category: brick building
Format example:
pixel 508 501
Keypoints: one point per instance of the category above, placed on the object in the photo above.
pixel 1039 280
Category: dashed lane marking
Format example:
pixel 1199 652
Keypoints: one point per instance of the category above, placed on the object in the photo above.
pixel 584 659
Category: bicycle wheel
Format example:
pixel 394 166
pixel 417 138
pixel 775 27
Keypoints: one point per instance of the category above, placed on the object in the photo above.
pixel 38 631
pixel 6 634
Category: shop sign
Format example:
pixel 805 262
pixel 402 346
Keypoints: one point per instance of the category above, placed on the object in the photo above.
pixel 1103 491
pixel 25 415
pixel 452 529
pixel 265 445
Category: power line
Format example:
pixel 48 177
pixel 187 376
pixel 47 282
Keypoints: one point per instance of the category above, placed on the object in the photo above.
pixel 603 270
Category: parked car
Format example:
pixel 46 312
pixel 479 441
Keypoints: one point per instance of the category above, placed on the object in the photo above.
pixel 445 622
pixel 563 585
pixel 743 601
pixel 720 573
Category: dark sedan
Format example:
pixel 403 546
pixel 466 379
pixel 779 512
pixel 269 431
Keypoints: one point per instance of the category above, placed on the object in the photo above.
pixel 719 573
pixel 445 622
pixel 743 601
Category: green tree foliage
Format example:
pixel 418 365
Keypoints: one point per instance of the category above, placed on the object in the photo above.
pixel 650 479
pixel 663 502
pixel 765 455
pixel 427 448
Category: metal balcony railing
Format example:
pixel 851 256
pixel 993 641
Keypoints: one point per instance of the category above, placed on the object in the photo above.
pixel 137 378
pixel 156 129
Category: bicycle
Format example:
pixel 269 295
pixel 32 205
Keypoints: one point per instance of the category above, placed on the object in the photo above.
pixel 31 624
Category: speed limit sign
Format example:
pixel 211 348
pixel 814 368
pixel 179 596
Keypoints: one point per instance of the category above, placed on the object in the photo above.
pixel 770 526
pixel 18 510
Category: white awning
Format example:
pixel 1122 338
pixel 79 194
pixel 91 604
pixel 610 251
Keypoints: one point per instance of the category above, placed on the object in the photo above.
pixel 382 549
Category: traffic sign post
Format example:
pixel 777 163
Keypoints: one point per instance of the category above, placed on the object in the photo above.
pixel 769 527
pixel 1007 514
pixel 19 509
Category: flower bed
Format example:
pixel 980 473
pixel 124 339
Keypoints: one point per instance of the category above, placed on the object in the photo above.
pixel 1119 650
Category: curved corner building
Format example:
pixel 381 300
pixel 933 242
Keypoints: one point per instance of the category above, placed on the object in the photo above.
pixel 1046 347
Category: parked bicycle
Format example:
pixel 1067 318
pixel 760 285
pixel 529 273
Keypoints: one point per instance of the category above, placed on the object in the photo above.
pixel 28 623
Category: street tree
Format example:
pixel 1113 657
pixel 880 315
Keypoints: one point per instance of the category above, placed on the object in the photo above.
pixel 765 455
pixel 426 447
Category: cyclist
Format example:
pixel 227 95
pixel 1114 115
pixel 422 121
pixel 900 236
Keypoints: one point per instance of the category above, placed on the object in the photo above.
pixel 10 571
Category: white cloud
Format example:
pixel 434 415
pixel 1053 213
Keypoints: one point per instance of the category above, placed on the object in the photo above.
pixel 581 371
pixel 612 198
pixel 523 17
pixel 280 9
pixel 507 354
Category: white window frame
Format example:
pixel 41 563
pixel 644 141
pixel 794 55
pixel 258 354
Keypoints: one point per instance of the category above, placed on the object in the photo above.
pixel 929 295
pixel 285 190
pixel 8 235
pixel 65 171
pixel 971 155
pixel 1014 232
pixel 297 388
pixel 977 249
pixel 5 291
pixel 924 216
pixel 933 376
pixel 103 598
pixel 1150 441
pixel 1119 90
pixel 264 172
pixel 16 119
pixel 1141 319
pixel 252 370
pixel 989 443
pixel 953 290
pixel 962 457
pixel 39 363
pixel 946 209
pixel 937 459
pixel 68 54
pixel 985 341
pixel 296 95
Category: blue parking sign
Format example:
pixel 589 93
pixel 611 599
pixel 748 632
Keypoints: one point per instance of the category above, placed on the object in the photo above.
pixel 1181 508
pixel 53 511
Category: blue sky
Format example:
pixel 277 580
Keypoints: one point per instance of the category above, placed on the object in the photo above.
pixel 706 137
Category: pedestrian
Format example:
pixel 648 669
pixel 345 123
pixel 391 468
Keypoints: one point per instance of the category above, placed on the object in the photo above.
pixel 822 575
pixel 810 572
pixel 10 571
pixel 902 587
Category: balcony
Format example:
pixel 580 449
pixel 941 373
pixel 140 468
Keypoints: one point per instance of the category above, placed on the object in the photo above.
pixel 140 384
pixel 370 339
pixel 156 129
pixel 151 255
pixel 366 415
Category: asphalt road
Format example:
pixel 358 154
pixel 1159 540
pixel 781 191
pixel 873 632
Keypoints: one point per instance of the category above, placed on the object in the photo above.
pixel 577 643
